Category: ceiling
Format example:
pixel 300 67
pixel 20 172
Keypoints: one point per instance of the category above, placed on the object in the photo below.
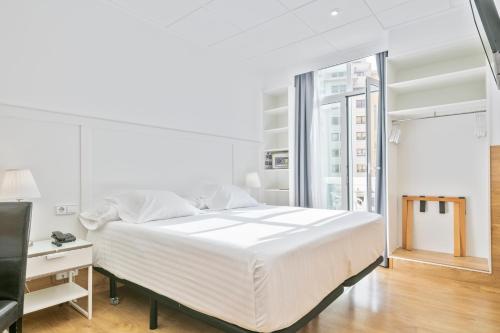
pixel 276 32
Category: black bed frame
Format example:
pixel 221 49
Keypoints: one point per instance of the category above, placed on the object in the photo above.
pixel 154 298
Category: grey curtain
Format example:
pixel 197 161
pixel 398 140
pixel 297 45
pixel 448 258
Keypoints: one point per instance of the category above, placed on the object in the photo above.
pixel 304 102
pixel 381 191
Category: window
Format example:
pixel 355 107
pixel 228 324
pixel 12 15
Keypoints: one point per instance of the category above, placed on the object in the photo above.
pixel 335 168
pixel 344 127
pixel 360 119
pixel 360 167
pixel 360 136
pixel 338 74
pixel 361 152
pixel 335 89
pixel 360 103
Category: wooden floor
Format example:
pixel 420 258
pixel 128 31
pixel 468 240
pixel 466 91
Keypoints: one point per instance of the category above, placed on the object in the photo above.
pixel 445 259
pixel 385 301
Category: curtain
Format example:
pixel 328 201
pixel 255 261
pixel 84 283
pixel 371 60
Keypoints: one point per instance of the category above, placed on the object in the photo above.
pixel 381 176
pixel 304 103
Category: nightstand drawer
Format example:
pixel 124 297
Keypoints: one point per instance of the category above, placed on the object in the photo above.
pixel 47 264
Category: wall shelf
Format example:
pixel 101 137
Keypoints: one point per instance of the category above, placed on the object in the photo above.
pixel 274 150
pixel 276 130
pixel 435 81
pixel 452 108
pixel 278 110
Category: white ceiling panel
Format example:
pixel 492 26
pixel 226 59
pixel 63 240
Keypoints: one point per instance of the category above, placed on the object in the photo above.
pixel 269 36
pixel 291 4
pixel 203 28
pixel 297 53
pixel 318 14
pixel 355 34
pixel 411 10
pixel 161 11
pixel 246 13
pixel 381 5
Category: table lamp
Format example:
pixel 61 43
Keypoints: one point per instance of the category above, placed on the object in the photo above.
pixel 19 185
pixel 252 182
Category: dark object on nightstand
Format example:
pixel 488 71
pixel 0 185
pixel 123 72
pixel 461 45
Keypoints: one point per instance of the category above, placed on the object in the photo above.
pixel 15 218
pixel 60 238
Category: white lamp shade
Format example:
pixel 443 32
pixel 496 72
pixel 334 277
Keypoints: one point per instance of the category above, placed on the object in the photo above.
pixel 19 185
pixel 252 180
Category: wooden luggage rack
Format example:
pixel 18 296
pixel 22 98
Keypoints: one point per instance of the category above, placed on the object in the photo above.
pixel 459 231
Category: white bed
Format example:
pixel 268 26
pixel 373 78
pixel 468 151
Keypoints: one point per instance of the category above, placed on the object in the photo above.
pixel 261 268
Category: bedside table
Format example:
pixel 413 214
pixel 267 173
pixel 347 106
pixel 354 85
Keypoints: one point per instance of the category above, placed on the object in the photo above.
pixel 45 259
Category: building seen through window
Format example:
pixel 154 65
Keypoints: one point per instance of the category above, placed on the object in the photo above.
pixel 342 93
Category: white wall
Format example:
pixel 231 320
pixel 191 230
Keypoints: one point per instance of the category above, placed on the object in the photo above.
pixel 52 152
pixel 88 61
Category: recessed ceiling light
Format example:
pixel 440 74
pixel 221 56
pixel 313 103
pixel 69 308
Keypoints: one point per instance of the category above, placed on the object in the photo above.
pixel 334 12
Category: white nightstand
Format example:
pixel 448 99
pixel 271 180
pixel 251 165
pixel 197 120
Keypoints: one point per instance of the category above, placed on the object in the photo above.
pixel 45 259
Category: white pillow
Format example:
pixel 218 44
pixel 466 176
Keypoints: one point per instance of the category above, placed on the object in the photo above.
pixel 145 206
pixel 93 220
pixel 230 196
pixel 202 194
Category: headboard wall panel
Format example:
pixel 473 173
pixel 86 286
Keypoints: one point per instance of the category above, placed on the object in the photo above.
pixel 129 159
pixel 78 160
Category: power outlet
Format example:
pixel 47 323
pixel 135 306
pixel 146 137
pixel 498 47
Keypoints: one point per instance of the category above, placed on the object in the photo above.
pixel 66 209
pixel 64 275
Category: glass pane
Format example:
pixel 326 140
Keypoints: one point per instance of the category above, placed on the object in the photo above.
pixel 332 154
pixel 346 78
pixel 358 152
pixel 374 101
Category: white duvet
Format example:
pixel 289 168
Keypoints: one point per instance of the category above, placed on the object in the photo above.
pixel 261 268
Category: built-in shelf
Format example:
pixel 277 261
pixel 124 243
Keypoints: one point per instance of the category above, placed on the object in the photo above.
pixel 278 110
pixel 442 259
pixel 47 297
pixel 276 104
pixel 273 150
pixel 276 130
pixel 435 81
pixel 275 190
pixel 457 49
pixel 452 108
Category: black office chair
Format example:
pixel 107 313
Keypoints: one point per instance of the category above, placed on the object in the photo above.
pixel 15 218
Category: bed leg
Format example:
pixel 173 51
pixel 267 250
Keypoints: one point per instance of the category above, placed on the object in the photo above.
pixel 153 314
pixel 113 298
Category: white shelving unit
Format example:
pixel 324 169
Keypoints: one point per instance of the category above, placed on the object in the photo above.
pixel 276 182
pixel 445 80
